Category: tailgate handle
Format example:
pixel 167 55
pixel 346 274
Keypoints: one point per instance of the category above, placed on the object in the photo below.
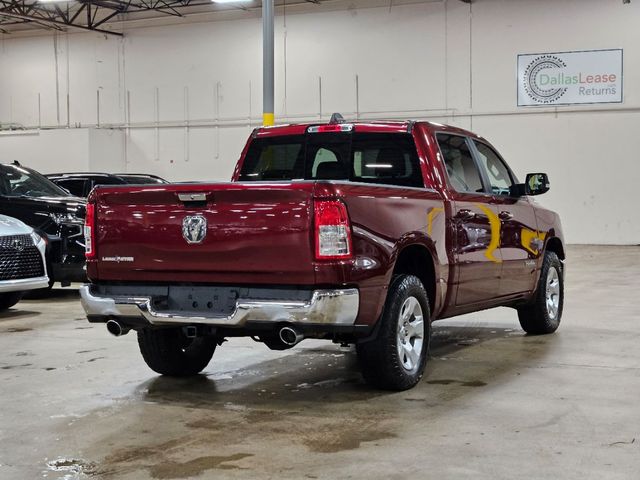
pixel 192 197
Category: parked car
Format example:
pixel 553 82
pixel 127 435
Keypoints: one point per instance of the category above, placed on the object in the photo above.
pixel 53 213
pixel 358 233
pixel 22 261
pixel 81 184
pixel 141 178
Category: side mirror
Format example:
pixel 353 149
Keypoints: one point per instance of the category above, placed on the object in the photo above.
pixel 536 184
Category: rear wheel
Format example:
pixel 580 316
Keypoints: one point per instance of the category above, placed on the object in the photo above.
pixel 396 358
pixel 169 351
pixel 9 299
pixel 543 315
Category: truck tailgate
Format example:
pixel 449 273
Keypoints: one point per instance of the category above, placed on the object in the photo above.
pixel 255 233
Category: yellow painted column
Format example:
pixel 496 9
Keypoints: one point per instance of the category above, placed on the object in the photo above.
pixel 268 119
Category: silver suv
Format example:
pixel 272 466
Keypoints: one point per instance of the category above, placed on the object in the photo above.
pixel 22 261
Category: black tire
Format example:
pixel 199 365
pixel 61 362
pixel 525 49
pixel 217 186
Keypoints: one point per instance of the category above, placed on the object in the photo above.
pixel 168 351
pixel 537 318
pixel 382 364
pixel 9 299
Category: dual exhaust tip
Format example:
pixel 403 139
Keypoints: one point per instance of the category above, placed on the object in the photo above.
pixel 288 335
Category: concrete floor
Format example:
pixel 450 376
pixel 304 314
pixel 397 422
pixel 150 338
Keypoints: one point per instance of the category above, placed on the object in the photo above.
pixel 495 403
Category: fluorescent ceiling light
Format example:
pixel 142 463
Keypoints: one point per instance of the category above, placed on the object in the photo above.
pixel 230 1
pixel 54 1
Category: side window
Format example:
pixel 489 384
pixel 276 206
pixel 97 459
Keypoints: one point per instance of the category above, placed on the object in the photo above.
pixel 461 168
pixel 386 159
pixel 74 186
pixel 498 173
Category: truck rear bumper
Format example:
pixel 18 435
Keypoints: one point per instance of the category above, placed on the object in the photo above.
pixel 338 307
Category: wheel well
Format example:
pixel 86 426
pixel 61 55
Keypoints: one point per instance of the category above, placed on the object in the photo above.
pixel 555 245
pixel 416 260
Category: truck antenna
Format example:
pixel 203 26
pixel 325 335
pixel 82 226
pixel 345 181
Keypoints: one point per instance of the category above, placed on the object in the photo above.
pixel 336 118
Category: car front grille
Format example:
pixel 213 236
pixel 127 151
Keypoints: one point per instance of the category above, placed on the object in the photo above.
pixel 19 258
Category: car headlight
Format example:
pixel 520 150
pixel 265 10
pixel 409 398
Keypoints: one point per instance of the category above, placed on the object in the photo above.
pixel 37 239
pixel 69 218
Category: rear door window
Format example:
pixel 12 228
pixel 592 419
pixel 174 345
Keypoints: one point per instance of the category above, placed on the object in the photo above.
pixel 387 159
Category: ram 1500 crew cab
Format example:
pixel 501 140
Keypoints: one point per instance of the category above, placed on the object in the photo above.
pixel 360 233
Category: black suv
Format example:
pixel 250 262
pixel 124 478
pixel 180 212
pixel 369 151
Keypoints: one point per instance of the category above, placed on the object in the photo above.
pixel 81 184
pixel 53 213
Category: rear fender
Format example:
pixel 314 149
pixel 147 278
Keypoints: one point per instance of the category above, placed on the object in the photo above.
pixel 429 274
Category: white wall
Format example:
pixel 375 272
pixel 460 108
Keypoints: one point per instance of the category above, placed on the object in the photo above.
pixel 445 61
pixel 48 151
pixel 65 150
pixel 106 150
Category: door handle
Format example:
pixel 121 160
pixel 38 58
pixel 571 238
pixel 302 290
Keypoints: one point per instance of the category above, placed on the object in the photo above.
pixel 504 215
pixel 465 214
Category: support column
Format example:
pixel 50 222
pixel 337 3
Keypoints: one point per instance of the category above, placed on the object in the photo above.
pixel 267 63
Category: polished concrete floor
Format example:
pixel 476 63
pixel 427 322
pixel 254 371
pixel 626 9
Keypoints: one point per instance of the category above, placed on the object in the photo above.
pixel 494 404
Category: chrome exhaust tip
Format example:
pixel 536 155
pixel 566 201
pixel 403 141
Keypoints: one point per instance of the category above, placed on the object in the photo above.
pixel 290 336
pixel 115 329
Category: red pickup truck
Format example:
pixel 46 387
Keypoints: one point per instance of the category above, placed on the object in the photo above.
pixel 360 233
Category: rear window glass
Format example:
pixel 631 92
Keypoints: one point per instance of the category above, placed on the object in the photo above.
pixel 359 157
pixel 74 186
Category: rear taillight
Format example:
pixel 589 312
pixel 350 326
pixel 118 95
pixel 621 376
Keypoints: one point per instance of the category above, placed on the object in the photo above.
pixel 333 231
pixel 90 231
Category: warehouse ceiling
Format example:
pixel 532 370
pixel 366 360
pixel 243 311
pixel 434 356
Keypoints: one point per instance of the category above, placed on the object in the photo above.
pixel 96 15
pixel 110 16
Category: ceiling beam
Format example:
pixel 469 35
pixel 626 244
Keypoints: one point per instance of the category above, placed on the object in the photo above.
pixel 55 23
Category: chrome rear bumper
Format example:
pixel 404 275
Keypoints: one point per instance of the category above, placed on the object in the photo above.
pixel 327 307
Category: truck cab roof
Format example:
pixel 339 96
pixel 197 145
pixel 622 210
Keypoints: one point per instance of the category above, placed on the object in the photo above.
pixel 377 126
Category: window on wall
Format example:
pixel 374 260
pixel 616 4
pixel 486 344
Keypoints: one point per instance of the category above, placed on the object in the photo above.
pixel 497 172
pixel 461 168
